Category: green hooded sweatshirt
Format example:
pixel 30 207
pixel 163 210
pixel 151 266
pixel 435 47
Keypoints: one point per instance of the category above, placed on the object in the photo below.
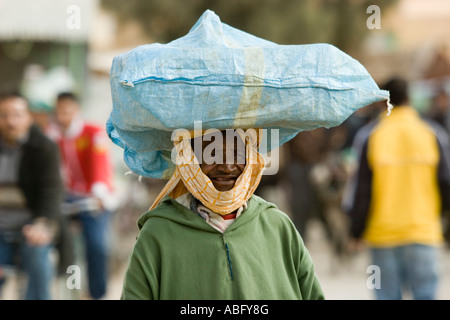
pixel 179 256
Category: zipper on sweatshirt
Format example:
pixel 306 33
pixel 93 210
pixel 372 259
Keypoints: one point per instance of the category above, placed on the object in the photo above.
pixel 230 268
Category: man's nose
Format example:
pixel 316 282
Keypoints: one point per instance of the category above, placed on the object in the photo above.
pixel 227 167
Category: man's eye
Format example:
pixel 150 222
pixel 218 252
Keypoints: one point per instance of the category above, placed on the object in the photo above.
pixel 209 158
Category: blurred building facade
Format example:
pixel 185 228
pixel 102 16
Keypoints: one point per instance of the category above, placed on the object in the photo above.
pixel 413 42
pixel 47 34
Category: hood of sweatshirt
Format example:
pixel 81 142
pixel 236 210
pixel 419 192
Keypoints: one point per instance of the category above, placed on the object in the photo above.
pixel 182 215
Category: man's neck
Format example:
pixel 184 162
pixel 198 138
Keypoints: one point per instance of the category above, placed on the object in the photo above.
pixel 74 129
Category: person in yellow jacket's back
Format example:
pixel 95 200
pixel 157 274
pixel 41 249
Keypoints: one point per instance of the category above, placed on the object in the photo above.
pixel 395 198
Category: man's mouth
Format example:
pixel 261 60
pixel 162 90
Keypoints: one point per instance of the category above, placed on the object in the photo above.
pixel 221 178
pixel 224 181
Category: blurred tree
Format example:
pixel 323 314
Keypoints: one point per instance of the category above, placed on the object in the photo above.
pixel 338 22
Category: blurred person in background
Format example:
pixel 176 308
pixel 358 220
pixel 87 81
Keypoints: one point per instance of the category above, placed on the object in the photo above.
pixel 439 111
pixel 87 170
pixel 43 117
pixel 30 197
pixel 305 151
pixel 397 194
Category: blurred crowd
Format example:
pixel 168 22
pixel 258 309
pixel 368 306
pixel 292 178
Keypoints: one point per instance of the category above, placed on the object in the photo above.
pixel 55 171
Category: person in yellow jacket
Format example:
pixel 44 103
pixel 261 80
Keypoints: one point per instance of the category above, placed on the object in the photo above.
pixel 395 198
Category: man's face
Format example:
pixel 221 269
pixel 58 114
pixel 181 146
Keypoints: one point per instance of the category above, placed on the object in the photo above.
pixel 66 111
pixel 15 119
pixel 224 175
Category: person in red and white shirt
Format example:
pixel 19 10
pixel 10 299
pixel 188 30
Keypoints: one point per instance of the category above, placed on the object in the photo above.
pixel 87 170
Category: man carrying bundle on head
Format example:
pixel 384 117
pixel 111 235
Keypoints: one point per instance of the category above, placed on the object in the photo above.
pixel 207 235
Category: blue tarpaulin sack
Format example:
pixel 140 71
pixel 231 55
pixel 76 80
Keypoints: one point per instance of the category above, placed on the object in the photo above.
pixel 227 78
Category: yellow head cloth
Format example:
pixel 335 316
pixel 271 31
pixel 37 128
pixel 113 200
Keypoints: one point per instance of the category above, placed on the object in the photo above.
pixel 188 176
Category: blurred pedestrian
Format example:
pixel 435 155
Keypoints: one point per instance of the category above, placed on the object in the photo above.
pixel 396 197
pixel 305 151
pixel 30 197
pixel 89 187
pixel 43 117
pixel 439 109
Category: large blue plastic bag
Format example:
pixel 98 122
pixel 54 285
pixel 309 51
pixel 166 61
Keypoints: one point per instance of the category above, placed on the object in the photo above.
pixel 227 78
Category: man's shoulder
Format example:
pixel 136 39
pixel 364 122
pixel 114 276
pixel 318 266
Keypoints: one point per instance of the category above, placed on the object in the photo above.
pixel 267 210
pixel 91 128
pixel 438 130
pixel 364 133
pixel 167 212
pixel 38 139
pixel 262 202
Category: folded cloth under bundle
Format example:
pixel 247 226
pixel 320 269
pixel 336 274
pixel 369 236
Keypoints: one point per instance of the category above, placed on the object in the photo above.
pixel 227 78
